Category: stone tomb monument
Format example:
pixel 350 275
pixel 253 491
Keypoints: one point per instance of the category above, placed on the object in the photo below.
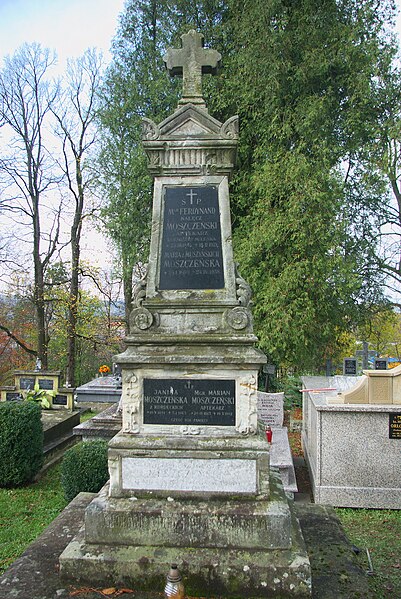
pixel 189 471
pixel 350 438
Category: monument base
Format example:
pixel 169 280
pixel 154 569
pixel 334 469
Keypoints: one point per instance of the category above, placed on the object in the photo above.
pixel 216 558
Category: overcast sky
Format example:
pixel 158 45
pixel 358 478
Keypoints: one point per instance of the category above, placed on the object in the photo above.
pixel 68 26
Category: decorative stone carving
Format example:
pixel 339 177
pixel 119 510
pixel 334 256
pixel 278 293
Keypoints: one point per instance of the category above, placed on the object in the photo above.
pixel 244 292
pixel 189 62
pixel 114 471
pixel 247 418
pixel 140 318
pixel 130 397
pixel 237 318
pixel 230 128
pixel 190 430
pixel 150 130
pixel 139 292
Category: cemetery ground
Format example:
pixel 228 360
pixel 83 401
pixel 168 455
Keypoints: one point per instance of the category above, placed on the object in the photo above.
pixel 26 512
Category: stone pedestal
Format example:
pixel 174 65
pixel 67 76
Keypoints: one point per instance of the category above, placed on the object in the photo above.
pixel 236 546
pixel 189 472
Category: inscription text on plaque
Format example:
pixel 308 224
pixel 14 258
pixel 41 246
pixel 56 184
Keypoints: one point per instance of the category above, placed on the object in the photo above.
pixel 189 402
pixel 191 253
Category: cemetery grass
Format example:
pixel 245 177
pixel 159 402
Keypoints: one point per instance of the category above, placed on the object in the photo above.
pixel 26 511
pixel 380 532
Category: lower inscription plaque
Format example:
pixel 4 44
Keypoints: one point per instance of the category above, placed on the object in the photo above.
pixel 189 402
pixel 13 396
pixel 60 400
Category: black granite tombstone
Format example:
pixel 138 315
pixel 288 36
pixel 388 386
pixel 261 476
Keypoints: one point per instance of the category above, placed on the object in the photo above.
pixel 13 396
pixel 60 400
pixel 381 364
pixel 47 384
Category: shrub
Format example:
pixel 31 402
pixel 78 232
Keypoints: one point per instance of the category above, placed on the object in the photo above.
pixel 292 395
pixel 84 468
pixel 21 443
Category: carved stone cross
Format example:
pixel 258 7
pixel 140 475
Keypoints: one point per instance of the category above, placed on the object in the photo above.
pixel 190 62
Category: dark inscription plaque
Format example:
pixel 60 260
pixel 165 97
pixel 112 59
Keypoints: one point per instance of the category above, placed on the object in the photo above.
pixel 350 366
pixel 395 426
pixel 380 364
pixel 191 402
pixel 191 253
pixel 13 396
pixel 25 383
pixel 46 384
pixel 60 400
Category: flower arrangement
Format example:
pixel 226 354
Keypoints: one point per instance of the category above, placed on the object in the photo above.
pixel 104 369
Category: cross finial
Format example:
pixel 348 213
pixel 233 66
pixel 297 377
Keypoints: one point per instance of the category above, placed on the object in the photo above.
pixel 190 62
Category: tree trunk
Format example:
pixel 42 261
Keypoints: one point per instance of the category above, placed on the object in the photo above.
pixel 39 293
pixel 74 285
pixel 127 286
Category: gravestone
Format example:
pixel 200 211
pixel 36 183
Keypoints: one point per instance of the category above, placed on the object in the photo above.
pixel 271 413
pixel 46 380
pixel 189 471
pixel 381 364
pixel 350 366
pixel 271 408
pixel 102 389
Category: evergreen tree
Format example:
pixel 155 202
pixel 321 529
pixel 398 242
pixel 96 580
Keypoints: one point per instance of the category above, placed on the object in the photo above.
pixel 300 75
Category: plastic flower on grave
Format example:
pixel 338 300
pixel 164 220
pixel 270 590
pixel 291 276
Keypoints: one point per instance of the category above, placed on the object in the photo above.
pixel 104 369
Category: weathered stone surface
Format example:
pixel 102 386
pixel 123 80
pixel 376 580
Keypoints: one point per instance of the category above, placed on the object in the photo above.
pixel 281 458
pixel 336 570
pixel 192 143
pixel 232 569
pixel 194 475
pixel 190 62
pixel 244 376
pixel 104 425
pixel 251 453
pixel 191 328
pixel 190 522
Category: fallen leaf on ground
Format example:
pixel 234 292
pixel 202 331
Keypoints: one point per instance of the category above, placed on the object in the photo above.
pixel 109 591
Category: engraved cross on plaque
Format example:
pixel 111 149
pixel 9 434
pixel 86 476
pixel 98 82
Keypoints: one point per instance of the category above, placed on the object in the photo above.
pixel 190 62
pixel 191 195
